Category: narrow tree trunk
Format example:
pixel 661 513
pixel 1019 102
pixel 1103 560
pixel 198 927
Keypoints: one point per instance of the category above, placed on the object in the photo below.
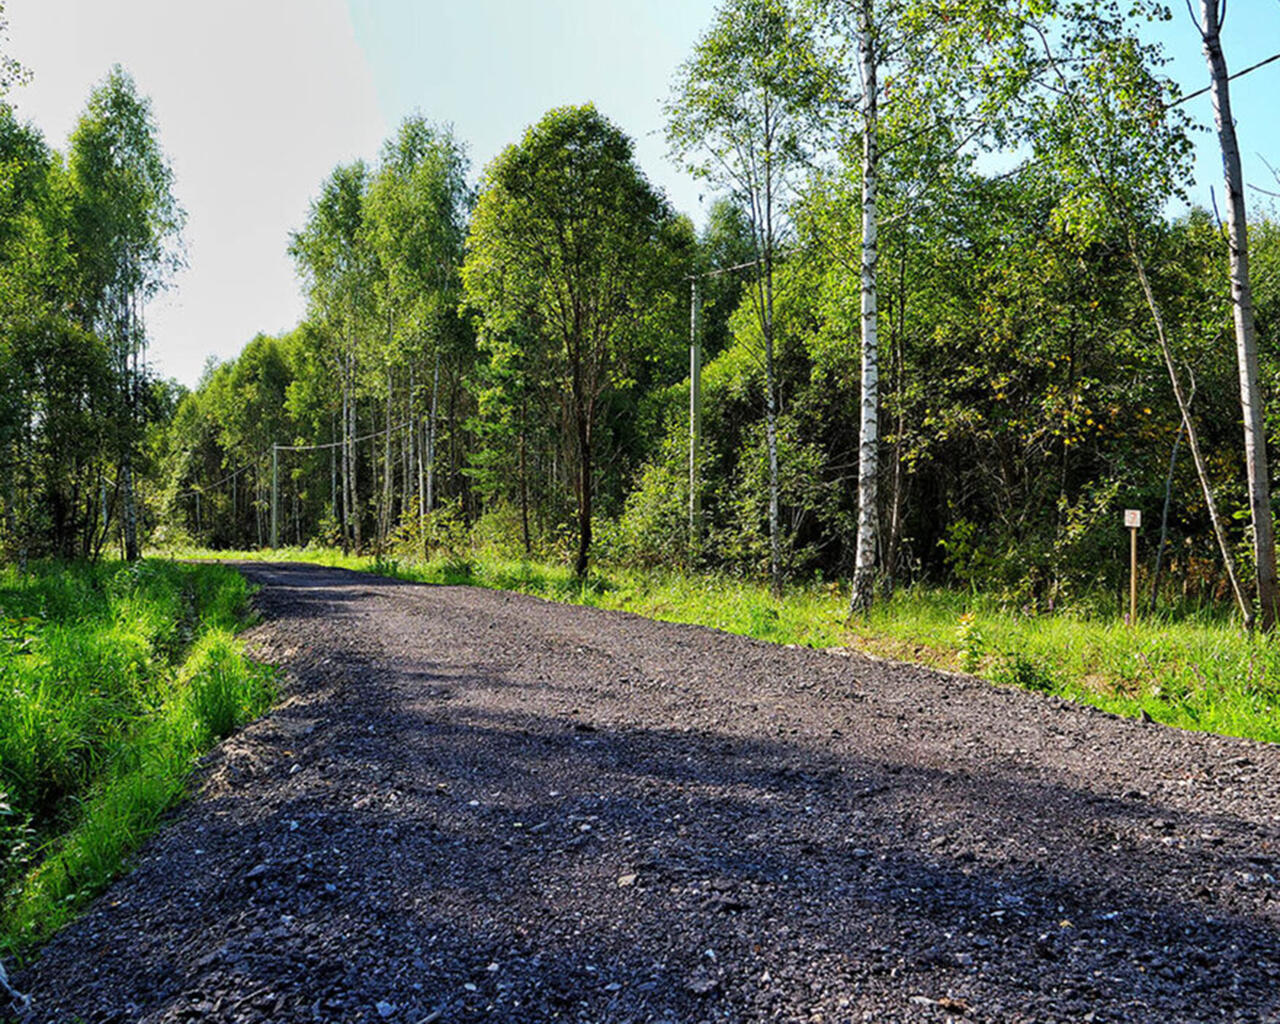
pixel 524 481
pixel 1193 438
pixel 771 443
pixel 356 511
pixel 863 589
pixel 333 481
pixel 890 567
pixel 130 508
pixel 584 495
pixel 1255 437
pixel 346 464
pixel 130 514
pixel 771 385
pixel 384 526
pixel 431 437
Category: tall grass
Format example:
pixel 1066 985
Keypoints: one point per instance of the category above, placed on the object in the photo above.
pixel 113 679
pixel 1193 670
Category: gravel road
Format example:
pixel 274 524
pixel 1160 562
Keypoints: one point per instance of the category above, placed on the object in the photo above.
pixel 479 806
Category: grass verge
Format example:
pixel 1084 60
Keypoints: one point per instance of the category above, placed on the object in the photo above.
pixel 113 680
pixel 1192 672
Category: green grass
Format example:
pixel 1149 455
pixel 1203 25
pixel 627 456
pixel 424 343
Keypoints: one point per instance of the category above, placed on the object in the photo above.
pixel 1196 671
pixel 113 680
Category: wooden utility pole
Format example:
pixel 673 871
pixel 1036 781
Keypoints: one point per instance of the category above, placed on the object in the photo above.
pixel 695 416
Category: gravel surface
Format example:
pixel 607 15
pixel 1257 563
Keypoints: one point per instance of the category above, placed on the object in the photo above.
pixel 474 805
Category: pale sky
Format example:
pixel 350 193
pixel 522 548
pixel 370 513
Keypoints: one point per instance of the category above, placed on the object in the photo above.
pixel 257 100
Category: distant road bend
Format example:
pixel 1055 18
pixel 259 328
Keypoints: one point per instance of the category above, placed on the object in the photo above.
pixel 478 806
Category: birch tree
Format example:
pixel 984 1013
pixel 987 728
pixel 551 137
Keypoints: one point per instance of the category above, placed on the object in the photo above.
pixel 126 226
pixel 337 265
pixel 862 590
pixel 417 207
pixel 744 113
pixel 907 107
pixel 1255 435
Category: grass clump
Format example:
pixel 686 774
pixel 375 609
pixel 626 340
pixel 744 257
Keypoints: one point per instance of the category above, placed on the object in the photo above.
pixel 113 680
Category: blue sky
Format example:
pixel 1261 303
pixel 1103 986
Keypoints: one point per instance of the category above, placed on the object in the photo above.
pixel 493 67
pixel 1251 33
pixel 257 100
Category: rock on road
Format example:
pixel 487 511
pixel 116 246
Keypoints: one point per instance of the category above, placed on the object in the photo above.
pixel 473 805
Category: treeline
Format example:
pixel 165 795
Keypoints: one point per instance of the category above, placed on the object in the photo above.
pixel 86 238
pixel 910 362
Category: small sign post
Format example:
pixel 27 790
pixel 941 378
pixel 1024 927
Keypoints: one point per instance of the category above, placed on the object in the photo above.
pixel 1133 520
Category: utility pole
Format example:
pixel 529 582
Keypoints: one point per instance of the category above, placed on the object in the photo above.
pixel 275 496
pixel 695 415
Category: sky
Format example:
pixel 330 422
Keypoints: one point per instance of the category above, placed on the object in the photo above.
pixel 258 100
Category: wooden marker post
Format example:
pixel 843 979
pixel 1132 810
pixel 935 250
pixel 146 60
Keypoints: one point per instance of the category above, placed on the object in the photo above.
pixel 1133 520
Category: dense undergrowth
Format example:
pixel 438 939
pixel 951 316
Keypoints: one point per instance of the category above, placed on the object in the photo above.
pixel 113 679
pixel 1194 669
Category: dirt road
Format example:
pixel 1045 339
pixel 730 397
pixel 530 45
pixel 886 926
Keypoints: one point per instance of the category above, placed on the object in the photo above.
pixel 480 806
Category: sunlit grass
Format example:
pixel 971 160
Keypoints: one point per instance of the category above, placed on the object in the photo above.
pixel 1193 672
pixel 113 680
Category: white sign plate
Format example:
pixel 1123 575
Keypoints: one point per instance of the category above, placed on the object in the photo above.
pixel 1133 518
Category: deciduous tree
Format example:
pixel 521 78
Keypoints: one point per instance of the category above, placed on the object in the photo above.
pixel 571 241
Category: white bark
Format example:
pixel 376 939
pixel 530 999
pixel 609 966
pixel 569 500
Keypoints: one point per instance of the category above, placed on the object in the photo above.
pixel 1255 437
pixel 863 589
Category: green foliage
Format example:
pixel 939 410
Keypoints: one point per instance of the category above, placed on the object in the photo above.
pixel 11 72
pixel 572 253
pixel 1016 669
pixel 223 689
pixel 113 678
pixel 971 644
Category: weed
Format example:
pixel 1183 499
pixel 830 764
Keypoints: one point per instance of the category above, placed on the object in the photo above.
pixel 1016 669
pixel 971 643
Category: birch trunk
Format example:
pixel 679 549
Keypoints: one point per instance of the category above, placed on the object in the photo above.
pixel 863 589
pixel 130 514
pixel 1255 437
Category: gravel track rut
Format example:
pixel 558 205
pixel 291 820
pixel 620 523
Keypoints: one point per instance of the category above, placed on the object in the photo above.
pixel 473 805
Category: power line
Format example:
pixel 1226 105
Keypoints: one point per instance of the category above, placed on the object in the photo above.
pixel 284 448
pixel 1230 78
pixel 339 444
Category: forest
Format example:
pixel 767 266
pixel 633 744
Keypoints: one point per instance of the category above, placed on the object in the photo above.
pixel 941 326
